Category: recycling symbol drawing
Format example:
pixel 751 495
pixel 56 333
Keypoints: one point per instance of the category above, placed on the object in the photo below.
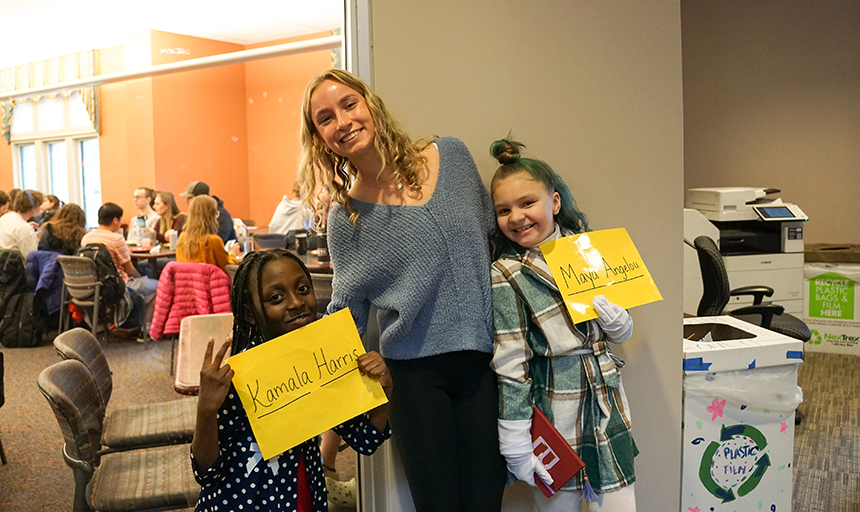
pixel 733 466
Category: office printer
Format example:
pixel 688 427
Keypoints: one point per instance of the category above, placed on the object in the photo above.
pixel 749 219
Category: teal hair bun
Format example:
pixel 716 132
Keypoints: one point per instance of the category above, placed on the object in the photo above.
pixel 506 151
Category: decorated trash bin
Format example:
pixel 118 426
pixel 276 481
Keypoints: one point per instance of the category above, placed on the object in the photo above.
pixel 740 396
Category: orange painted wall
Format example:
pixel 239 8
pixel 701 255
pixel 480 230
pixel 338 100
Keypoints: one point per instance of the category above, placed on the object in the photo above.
pixel 235 127
pixel 274 89
pixel 199 123
pixel 126 139
pixel 7 177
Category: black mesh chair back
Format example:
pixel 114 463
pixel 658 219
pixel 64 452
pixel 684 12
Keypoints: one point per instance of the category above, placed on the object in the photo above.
pixel 717 292
pixel 715 279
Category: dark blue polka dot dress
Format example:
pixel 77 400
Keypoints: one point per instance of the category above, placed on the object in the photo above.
pixel 240 480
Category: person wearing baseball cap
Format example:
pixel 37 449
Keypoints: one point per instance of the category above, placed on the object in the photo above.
pixel 225 221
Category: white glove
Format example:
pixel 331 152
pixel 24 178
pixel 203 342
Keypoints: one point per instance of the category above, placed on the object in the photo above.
pixel 515 443
pixel 613 319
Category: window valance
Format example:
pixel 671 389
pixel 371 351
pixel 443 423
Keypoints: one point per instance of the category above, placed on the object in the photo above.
pixel 57 70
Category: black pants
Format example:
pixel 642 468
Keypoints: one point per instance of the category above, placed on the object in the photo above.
pixel 444 412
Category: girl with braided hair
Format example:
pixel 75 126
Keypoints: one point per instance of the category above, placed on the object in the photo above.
pixel 272 295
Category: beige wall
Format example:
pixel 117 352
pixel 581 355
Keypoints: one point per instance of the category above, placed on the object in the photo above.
pixel 593 88
pixel 771 99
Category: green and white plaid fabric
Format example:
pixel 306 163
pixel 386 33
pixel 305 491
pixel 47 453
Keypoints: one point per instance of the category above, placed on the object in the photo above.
pixel 543 359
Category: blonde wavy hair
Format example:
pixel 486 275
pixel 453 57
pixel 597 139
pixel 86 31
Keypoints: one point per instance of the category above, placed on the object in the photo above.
pixel 202 221
pixel 321 169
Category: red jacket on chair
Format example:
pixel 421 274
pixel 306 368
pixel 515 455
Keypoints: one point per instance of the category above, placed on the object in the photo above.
pixel 187 289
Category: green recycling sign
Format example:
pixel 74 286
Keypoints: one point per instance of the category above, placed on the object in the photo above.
pixel 733 466
pixel 831 295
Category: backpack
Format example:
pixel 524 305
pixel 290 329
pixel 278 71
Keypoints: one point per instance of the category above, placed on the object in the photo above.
pixel 113 287
pixel 12 276
pixel 16 303
pixel 17 326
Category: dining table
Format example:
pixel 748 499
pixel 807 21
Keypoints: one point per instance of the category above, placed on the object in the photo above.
pixel 145 253
pixel 312 261
pixel 148 263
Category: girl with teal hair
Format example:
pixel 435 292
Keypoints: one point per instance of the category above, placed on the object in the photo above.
pixel 542 358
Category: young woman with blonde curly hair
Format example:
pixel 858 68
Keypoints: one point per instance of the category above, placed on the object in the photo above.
pixel 407 233
pixel 199 241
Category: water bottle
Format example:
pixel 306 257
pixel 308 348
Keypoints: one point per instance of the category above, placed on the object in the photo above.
pixel 144 239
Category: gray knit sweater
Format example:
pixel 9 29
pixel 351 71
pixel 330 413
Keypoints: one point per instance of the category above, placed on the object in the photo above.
pixel 425 268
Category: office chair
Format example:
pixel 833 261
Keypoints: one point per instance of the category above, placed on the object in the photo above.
pixel 129 427
pixel 153 479
pixel 194 334
pixel 716 295
pixel 82 287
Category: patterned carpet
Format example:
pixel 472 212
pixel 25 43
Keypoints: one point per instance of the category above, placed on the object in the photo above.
pixel 827 442
pixel 36 477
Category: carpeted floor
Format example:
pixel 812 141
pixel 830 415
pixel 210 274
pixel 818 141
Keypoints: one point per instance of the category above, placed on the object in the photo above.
pixel 36 477
pixel 827 441
pixel 826 453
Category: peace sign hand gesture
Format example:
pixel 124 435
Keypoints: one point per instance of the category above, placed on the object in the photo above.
pixel 215 378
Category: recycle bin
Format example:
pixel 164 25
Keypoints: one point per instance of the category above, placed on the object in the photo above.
pixel 740 396
pixel 831 307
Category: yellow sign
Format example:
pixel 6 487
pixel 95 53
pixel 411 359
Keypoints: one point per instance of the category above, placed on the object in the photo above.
pixel 303 383
pixel 599 263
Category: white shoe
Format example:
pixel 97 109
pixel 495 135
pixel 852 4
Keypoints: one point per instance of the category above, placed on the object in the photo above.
pixel 341 494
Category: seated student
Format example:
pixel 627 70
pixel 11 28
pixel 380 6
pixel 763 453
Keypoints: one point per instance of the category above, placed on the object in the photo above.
pixel 169 216
pixel 12 195
pixel 272 295
pixel 4 202
pixel 49 207
pixel 225 222
pixel 143 223
pixel 15 232
pixel 199 241
pixel 290 214
pixel 64 231
pixel 138 286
